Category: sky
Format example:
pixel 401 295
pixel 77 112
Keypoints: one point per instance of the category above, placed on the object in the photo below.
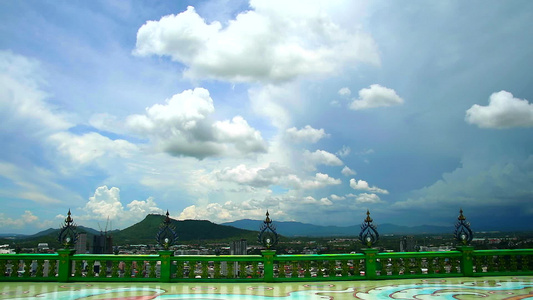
pixel 316 111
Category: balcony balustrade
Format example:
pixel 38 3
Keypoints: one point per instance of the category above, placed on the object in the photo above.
pixel 66 266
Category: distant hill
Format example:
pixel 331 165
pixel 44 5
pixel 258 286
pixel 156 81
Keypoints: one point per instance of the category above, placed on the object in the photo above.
pixel 55 231
pixel 145 231
pixel 293 229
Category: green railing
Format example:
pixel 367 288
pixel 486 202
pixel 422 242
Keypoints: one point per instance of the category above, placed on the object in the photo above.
pixel 67 266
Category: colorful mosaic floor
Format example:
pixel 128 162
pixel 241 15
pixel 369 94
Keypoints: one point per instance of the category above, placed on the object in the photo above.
pixel 511 288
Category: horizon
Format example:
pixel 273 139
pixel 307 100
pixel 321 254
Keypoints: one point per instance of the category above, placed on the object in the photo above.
pixel 223 110
pixel 448 226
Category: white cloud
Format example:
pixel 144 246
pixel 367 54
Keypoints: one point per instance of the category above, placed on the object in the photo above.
pixel 107 122
pixel 307 134
pixel 321 180
pixel 326 201
pixel 274 174
pixel 257 177
pixel 345 91
pixel 88 147
pixel 363 185
pixel 23 106
pixel 220 213
pixel 376 96
pixel 142 208
pixel 27 219
pixel 503 111
pixel 345 151
pixel 336 197
pixel 321 157
pixel 270 101
pixel 347 171
pixel 182 127
pixel 106 203
pixel 238 133
pixel 274 41
pixel 367 198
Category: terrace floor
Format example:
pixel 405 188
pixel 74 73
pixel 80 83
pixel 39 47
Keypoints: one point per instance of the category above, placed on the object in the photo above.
pixel 511 288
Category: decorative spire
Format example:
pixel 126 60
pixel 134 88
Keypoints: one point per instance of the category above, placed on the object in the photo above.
pixel 166 236
pixel 68 234
pixel 268 235
pixel 463 234
pixel 368 218
pixel 267 220
pixel 68 220
pixel 461 217
pixel 369 234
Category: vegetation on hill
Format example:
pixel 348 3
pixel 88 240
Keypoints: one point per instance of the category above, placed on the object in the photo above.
pixel 145 231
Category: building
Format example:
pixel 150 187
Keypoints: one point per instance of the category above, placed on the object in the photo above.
pixel 236 248
pixel 42 247
pixel 239 247
pixel 102 244
pixel 407 244
pixel 81 243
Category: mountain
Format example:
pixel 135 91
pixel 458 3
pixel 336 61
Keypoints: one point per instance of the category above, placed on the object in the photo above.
pixel 145 231
pixel 302 229
pixel 55 231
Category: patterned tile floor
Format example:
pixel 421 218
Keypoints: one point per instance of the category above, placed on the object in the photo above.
pixel 511 288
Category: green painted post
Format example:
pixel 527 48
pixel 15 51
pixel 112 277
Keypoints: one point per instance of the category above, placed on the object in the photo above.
pixel 467 265
pixel 65 264
pixel 166 265
pixel 370 262
pixel 268 264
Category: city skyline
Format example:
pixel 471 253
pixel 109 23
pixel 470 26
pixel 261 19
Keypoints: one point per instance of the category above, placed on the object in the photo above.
pixel 221 110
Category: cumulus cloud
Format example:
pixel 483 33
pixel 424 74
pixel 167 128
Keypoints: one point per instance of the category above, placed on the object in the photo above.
pixel 336 197
pixel 270 101
pixel 273 174
pixel 226 212
pixel 376 96
pixel 307 134
pixel 85 148
pixel 321 157
pixel 183 127
pixel 257 177
pixel 106 203
pixel 367 198
pixel 321 180
pixel 345 91
pixel 274 41
pixel 27 219
pixel 345 151
pixel 503 111
pixel 347 171
pixel 363 186
pixel 325 201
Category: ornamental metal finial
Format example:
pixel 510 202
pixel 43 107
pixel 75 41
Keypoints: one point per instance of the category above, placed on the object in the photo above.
pixel 167 235
pixel 463 233
pixel 268 236
pixel 68 234
pixel 369 232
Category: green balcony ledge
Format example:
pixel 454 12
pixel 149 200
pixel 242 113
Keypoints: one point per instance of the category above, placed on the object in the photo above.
pixel 66 266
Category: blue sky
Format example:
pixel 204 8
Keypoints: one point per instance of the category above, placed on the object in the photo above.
pixel 220 110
